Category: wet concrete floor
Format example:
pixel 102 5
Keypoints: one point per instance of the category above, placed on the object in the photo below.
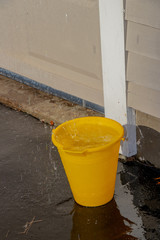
pixel 35 198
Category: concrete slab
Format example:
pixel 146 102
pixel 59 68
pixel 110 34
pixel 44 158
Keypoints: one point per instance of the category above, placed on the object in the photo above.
pixel 41 105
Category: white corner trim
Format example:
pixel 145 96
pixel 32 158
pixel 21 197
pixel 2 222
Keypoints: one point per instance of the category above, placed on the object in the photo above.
pixel 111 14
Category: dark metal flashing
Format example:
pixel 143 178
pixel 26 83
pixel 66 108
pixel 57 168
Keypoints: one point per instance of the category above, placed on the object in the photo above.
pixel 45 88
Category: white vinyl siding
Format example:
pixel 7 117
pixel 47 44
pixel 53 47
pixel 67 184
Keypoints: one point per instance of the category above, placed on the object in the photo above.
pixel 143 58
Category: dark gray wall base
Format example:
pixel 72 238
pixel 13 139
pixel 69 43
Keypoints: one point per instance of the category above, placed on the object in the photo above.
pixel 148 144
pixel 51 90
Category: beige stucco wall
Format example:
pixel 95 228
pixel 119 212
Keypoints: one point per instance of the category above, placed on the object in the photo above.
pixel 56 43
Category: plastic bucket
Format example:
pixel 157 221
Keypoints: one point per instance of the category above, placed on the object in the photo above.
pixel 89 149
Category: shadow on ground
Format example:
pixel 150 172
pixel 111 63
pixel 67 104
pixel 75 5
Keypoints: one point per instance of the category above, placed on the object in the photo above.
pixel 36 201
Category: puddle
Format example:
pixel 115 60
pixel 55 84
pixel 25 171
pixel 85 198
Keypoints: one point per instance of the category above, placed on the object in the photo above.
pixel 103 223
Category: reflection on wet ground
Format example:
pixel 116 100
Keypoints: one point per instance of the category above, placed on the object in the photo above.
pixel 35 195
pixel 103 222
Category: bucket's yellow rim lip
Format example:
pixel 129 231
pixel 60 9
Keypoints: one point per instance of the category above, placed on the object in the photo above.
pixel 60 146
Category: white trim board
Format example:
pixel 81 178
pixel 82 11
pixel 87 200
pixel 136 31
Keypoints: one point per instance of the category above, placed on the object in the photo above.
pixel 113 71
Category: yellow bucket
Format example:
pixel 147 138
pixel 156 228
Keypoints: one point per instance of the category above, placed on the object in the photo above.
pixel 89 149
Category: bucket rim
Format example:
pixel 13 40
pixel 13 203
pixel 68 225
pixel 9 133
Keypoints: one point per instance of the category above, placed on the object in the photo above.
pixel 93 149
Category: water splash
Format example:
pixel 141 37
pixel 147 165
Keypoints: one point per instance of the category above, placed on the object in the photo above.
pixel 77 139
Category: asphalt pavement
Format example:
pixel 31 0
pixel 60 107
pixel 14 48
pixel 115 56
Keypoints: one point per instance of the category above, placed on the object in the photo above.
pixel 36 201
